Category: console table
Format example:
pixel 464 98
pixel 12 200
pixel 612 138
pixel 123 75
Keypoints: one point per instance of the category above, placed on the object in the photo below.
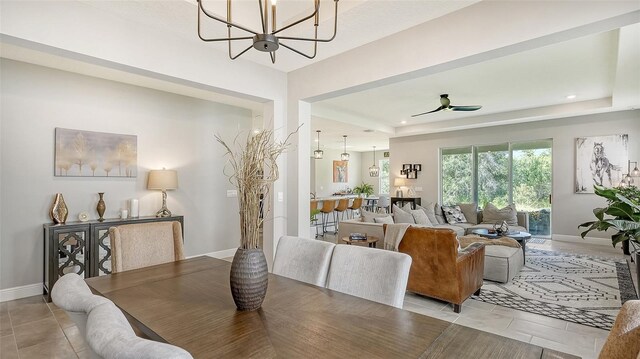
pixel 83 247
pixel 413 200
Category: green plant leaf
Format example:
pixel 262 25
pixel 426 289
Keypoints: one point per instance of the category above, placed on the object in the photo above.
pixel 599 213
pixel 624 199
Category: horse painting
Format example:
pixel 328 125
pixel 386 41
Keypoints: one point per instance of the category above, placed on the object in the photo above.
pixel 600 160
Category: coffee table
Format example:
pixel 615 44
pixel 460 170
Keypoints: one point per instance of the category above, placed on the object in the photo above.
pixel 521 237
pixel 371 241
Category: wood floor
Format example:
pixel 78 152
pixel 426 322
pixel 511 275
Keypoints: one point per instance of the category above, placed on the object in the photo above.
pixel 31 328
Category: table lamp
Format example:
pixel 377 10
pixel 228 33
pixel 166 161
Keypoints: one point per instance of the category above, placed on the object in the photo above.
pixel 163 180
pixel 399 182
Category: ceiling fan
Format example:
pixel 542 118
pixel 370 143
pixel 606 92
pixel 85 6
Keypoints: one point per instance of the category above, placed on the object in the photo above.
pixel 446 106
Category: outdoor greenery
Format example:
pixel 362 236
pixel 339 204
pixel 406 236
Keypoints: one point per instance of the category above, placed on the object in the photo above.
pixel 384 176
pixel 531 178
pixel 623 213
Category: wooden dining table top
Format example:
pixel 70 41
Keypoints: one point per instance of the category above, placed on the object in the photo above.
pixel 188 303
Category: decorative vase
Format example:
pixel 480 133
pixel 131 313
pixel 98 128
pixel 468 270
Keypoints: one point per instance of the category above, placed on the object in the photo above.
pixel 101 207
pixel 59 210
pixel 249 278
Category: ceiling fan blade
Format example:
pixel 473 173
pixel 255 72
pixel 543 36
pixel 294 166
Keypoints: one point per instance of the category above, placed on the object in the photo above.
pixel 424 113
pixel 464 108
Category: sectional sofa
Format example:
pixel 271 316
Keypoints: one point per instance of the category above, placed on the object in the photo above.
pixel 501 263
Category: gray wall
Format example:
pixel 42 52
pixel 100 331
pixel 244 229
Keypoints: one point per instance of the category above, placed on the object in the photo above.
pixel 173 131
pixel 367 161
pixel 569 209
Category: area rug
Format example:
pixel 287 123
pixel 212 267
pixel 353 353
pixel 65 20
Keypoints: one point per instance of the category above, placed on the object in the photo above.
pixel 537 240
pixel 577 288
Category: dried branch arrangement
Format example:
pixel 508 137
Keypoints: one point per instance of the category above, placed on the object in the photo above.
pixel 253 171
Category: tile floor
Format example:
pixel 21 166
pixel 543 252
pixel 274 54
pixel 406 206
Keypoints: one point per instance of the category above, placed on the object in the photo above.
pixel 32 329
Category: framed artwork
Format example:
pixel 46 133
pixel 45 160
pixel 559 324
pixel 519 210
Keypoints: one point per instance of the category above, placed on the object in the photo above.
pixel 95 154
pixel 340 171
pixel 600 160
pixel 412 174
pixel 386 154
pixel 407 166
pixel 417 167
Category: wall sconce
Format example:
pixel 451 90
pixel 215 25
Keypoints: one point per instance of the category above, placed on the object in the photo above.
pixel 411 170
pixel 627 180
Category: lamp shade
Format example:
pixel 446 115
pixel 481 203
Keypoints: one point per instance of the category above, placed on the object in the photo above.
pixel 399 182
pixel 162 179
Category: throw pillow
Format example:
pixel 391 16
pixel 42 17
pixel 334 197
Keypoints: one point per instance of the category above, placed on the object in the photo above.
pixel 429 210
pixel 470 211
pixel 492 214
pixel 420 217
pixel 438 212
pixel 386 219
pixel 401 216
pixel 454 214
pixel 369 216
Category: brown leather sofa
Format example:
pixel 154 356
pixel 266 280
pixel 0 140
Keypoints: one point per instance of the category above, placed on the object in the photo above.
pixel 438 269
pixel 623 341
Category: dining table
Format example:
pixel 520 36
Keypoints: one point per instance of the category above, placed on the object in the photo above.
pixel 188 303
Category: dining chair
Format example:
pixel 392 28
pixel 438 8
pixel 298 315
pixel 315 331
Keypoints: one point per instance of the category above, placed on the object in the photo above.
pixel 72 294
pixel 384 202
pixel 355 206
pixel 303 259
pixel 374 274
pixel 313 206
pixel 109 335
pixel 145 244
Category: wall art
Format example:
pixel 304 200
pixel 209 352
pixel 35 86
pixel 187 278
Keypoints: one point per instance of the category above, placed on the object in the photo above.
pixel 600 160
pixel 95 154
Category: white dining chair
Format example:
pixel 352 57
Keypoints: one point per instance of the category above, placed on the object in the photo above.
pixel 111 337
pixel 72 294
pixel 384 202
pixel 374 274
pixel 302 259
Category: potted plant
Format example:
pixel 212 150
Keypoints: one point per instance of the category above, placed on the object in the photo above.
pixel 253 171
pixel 363 188
pixel 622 214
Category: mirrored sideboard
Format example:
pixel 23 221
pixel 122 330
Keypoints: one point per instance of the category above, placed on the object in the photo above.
pixel 83 247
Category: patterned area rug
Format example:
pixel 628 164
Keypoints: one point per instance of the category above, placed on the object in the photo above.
pixel 576 288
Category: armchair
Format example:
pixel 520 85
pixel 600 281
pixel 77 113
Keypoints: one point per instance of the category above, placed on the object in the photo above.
pixel 439 270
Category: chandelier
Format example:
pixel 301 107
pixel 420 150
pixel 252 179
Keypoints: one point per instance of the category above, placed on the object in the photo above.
pixel 374 171
pixel 344 156
pixel 263 40
pixel 317 154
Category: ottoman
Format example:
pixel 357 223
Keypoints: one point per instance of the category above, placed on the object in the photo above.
pixel 502 263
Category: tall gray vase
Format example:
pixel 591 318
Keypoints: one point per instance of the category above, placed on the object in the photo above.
pixel 249 278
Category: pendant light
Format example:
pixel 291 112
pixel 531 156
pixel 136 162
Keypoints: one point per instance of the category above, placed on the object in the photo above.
pixel 317 154
pixel 344 155
pixel 374 171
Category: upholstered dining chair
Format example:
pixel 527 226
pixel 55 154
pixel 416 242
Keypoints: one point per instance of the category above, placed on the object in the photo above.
pixel 384 202
pixel 145 244
pixel 72 294
pixel 369 273
pixel 302 259
pixel 355 206
pixel 110 336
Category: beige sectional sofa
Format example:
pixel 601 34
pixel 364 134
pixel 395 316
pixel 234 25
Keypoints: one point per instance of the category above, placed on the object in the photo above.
pixel 375 229
pixel 501 263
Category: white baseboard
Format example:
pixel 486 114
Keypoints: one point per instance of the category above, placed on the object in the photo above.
pixel 20 292
pixel 219 254
pixel 578 239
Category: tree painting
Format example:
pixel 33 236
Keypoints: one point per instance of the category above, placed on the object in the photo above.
pixel 95 154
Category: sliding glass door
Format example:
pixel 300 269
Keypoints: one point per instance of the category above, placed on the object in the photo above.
pixel 532 183
pixel 515 172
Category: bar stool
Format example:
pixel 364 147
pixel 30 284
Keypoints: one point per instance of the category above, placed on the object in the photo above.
pixel 355 206
pixel 328 206
pixel 313 208
pixel 342 207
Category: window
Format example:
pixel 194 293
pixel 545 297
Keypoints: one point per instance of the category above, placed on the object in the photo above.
pixel 457 175
pixel 504 173
pixel 384 176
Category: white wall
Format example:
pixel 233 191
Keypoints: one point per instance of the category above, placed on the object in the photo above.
pixel 367 161
pixel 173 131
pixel 324 185
pixel 569 209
